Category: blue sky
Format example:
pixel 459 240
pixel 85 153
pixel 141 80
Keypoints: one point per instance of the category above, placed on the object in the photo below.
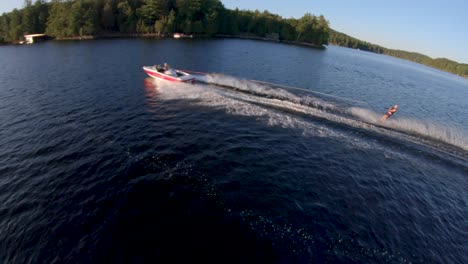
pixel 435 28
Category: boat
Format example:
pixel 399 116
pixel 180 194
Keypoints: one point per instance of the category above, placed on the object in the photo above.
pixel 181 35
pixel 168 74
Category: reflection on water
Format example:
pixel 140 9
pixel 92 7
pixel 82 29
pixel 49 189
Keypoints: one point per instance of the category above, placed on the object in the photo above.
pixel 150 93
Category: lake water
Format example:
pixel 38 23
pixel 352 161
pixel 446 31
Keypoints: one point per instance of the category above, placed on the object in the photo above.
pixel 277 155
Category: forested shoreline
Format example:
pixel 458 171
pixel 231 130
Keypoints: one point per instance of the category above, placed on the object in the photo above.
pixel 340 39
pixel 80 18
pixel 75 19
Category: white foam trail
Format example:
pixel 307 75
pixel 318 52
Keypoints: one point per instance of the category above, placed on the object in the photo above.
pixel 448 134
pixel 250 104
pixel 239 104
pixel 365 114
pixel 264 90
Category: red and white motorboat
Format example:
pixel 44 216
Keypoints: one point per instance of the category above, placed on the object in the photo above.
pixel 168 74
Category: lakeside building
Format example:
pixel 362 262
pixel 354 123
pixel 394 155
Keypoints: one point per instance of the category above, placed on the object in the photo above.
pixel 31 38
pixel 272 37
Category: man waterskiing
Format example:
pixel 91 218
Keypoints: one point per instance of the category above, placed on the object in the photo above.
pixel 390 112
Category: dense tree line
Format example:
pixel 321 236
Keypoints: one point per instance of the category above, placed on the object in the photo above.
pixel 344 40
pixel 72 18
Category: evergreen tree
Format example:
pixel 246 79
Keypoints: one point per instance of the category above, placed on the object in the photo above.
pixel 3 29
pixel 28 18
pixel 161 26
pixel 57 23
pixel 150 11
pixel 108 16
pixel 126 17
pixel 171 20
pixel 41 15
pixel 14 26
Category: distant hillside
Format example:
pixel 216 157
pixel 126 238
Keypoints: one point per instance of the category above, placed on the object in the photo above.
pixel 340 39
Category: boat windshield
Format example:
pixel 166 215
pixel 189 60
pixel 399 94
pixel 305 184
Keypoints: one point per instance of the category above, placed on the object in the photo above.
pixel 171 72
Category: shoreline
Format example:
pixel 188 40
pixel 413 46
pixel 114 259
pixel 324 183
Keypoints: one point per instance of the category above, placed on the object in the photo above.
pixel 116 35
pixel 298 43
pixel 156 35
pixel 240 36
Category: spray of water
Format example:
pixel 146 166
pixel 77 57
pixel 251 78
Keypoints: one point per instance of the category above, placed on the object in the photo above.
pixel 249 98
pixel 447 134
pixel 266 90
pixel 244 104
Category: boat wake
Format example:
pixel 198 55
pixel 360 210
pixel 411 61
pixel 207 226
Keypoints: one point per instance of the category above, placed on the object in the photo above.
pixel 294 107
pixel 431 131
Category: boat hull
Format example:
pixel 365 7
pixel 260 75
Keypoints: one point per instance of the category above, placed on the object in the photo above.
pixel 182 76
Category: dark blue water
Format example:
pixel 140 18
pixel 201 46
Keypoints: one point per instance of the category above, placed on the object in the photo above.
pixel 98 163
